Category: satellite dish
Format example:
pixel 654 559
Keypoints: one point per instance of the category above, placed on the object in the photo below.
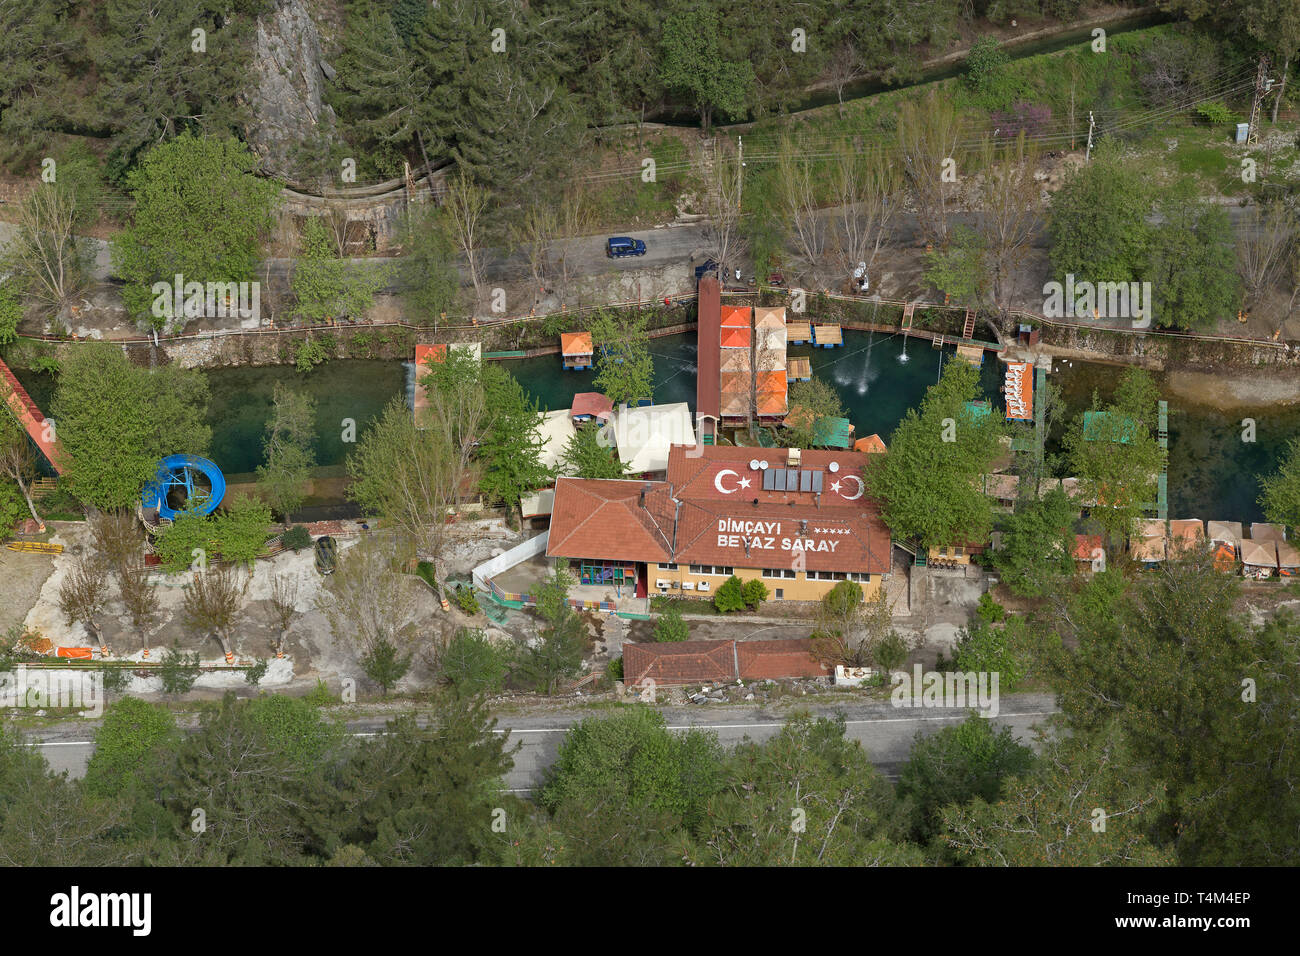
pixel 753 464
pixel 834 467
pixel 763 465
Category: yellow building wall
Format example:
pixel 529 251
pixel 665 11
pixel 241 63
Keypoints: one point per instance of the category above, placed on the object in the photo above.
pixel 798 588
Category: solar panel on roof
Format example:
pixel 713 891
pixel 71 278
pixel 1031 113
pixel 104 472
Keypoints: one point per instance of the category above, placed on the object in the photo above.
pixel 778 479
pixel 817 481
pixel 792 479
pixel 805 481
pixel 769 480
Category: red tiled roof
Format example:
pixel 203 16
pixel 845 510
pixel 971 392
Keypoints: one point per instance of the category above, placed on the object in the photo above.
pixel 706 514
pixel 1085 546
pixel 707 394
pixel 600 518
pixel 840 531
pixel 775 660
pixel 680 662
pixel 591 403
pixel 717 662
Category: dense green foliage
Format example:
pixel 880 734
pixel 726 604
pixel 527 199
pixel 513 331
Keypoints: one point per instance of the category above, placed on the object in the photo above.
pixel 670 626
pixel 1280 498
pixel 928 482
pixel 1038 544
pixel 591 454
pixel 116 421
pixel 1119 459
pixel 236 532
pixel 200 213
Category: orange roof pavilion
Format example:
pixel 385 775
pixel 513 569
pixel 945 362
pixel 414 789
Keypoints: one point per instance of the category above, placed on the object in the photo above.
pixel 735 317
pixel 870 444
pixel 736 338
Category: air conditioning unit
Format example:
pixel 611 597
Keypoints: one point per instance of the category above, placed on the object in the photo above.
pixel 676 584
pixel 688 586
pixel 704 585
pixel 662 584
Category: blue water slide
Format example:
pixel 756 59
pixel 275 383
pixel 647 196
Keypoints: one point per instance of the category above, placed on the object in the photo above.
pixel 180 471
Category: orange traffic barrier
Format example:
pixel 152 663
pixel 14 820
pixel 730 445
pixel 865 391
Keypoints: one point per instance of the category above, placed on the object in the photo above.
pixel 75 653
pixel 445 605
pixel 230 658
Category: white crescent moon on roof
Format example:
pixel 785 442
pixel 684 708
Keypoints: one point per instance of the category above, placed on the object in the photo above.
pixel 717 482
pixel 859 481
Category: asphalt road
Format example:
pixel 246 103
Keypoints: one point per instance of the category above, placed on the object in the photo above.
pixel 586 254
pixel 884 731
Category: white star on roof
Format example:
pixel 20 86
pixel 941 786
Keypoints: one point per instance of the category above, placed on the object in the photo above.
pixel 743 483
pixel 835 486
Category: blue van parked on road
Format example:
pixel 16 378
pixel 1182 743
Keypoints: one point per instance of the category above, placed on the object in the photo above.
pixel 619 246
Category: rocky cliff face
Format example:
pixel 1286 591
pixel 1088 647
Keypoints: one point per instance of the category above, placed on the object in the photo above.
pixel 286 104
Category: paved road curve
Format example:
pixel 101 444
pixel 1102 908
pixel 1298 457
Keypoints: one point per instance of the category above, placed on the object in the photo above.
pixel 885 731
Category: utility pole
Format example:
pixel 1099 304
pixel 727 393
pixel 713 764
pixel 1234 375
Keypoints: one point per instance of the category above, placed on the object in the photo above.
pixel 1092 124
pixel 1263 87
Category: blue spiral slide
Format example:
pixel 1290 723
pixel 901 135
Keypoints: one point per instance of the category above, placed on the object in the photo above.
pixel 180 471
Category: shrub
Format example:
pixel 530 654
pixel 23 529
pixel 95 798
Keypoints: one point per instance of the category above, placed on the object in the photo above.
pixel 614 669
pixel 989 610
pixel 254 674
pixel 179 670
pixel 472 664
pixel 983 62
pixel 296 538
pixel 319 695
pixel 671 627
pixel 466 600
pixel 309 354
pixel 385 664
pixel 731 596
pixel 755 593
pixel 1215 113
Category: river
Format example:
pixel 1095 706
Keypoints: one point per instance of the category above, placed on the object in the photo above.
pixel 1213 473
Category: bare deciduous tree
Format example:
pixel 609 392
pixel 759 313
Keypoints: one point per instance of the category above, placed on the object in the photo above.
pixel 367 602
pixel 140 595
pixel 82 596
pixel 117 536
pixel 723 185
pixel 45 252
pixel 284 598
pixel 212 602
pixel 466 207
pixel 799 201
pixel 17 460
pixel 928 133
pixel 573 220
pixel 846 65
pixel 867 190
pixel 1011 202
pixel 1264 249
pixel 535 234
pixel 849 628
